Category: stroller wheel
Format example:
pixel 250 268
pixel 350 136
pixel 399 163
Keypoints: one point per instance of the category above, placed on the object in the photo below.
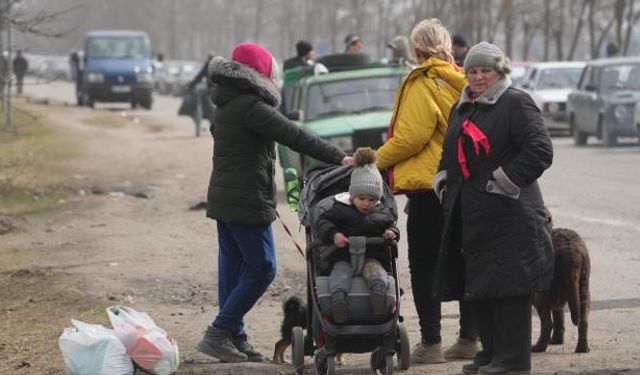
pixel 381 365
pixel 402 348
pixel 297 349
pixel 325 363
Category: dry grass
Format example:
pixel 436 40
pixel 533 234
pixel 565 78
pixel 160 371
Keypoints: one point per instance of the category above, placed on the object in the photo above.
pixel 36 306
pixel 32 163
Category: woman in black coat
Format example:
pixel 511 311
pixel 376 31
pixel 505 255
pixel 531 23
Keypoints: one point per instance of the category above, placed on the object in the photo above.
pixel 242 190
pixel 496 248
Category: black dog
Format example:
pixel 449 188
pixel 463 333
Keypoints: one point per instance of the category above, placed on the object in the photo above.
pixel 295 315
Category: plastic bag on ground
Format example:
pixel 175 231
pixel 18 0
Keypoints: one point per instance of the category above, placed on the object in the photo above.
pixel 91 349
pixel 149 346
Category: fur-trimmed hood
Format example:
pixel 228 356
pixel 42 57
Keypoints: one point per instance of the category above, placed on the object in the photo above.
pixel 222 70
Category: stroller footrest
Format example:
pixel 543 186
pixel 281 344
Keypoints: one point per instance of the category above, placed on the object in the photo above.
pixel 359 304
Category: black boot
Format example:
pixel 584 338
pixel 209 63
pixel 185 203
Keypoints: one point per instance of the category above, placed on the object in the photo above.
pixel 217 343
pixel 500 370
pixel 242 344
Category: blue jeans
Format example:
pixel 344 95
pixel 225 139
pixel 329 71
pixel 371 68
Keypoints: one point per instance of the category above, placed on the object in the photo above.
pixel 246 267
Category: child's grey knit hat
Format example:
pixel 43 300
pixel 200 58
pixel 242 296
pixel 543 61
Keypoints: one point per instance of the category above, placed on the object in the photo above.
pixel 365 178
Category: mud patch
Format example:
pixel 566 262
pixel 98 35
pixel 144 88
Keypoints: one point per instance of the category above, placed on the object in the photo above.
pixel 36 306
pixel 8 224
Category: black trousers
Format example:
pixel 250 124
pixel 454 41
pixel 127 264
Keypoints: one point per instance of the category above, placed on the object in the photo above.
pixel 424 231
pixel 504 324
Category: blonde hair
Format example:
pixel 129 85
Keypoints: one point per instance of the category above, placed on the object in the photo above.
pixel 432 39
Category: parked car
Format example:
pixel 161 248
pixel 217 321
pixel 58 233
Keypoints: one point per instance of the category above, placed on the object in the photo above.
pixel 186 73
pixel 519 70
pixel 350 106
pixel 118 67
pixel 549 84
pixel 605 100
pixel 165 75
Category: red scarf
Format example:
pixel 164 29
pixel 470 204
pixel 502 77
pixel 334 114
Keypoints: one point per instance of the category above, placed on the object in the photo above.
pixel 472 131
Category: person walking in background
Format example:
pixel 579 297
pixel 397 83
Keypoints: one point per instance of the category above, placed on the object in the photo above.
pixel 411 155
pixel 242 193
pixel 496 247
pixel 353 44
pixel 402 53
pixel 4 71
pixel 460 48
pixel 20 67
pixel 304 57
pixel 205 108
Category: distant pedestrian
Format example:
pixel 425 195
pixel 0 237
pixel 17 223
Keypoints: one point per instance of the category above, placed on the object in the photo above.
pixel 402 54
pixel 353 44
pixel 304 56
pixel 20 67
pixel 4 69
pixel 613 50
pixel 242 192
pixel 460 49
pixel 206 107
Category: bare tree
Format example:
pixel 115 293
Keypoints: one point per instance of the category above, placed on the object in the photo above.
pixel 508 26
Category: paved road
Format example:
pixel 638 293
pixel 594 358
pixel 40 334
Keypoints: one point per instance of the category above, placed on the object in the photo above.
pixel 592 190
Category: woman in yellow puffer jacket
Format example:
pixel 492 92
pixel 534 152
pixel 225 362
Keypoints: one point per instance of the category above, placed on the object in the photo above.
pixel 411 156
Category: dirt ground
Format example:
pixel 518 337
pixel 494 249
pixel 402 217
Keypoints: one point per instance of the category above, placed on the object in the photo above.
pixel 125 234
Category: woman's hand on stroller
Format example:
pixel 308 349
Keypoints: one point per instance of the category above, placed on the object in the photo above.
pixel 347 160
pixel 389 234
pixel 340 240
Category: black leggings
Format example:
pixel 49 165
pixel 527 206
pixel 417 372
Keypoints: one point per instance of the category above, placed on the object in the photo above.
pixel 424 230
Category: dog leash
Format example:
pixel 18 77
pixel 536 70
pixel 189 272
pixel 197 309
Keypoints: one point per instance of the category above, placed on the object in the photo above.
pixel 286 229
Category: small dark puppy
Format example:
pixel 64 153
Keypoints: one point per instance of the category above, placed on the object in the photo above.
pixel 295 314
pixel 570 285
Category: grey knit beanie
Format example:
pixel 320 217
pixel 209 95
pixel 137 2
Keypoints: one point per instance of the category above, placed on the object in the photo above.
pixel 365 178
pixel 487 55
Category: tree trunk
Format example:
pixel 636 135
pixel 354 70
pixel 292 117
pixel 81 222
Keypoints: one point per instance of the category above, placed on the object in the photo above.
pixel 547 29
pixel 630 23
pixel 618 15
pixel 592 31
pixel 257 20
pixel 507 5
pixel 578 30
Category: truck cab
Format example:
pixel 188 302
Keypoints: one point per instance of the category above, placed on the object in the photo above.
pixel 117 67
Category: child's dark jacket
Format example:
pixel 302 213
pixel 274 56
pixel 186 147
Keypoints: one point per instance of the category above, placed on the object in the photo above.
pixel 343 217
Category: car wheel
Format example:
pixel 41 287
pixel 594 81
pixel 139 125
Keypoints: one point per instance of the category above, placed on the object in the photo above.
pixel 579 137
pixel 87 100
pixel 609 138
pixel 147 104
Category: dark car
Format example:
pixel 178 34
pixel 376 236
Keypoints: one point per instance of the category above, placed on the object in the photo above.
pixel 604 102
pixel 117 68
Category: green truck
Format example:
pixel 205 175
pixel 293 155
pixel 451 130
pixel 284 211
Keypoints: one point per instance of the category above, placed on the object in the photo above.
pixel 350 106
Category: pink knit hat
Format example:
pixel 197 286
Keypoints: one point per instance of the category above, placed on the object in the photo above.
pixel 253 56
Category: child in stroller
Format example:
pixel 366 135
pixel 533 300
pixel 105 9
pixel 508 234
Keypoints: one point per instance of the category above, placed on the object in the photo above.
pixel 357 329
pixel 358 212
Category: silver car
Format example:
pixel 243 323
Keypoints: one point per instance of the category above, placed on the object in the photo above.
pixel 549 84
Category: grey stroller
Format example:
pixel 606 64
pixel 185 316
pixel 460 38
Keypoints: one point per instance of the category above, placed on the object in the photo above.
pixel 363 332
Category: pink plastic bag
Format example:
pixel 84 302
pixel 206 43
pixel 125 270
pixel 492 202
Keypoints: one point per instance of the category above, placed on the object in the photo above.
pixel 148 345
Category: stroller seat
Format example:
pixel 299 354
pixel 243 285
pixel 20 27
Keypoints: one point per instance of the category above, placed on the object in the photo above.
pixel 359 305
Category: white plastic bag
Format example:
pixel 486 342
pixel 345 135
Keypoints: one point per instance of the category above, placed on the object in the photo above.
pixel 91 349
pixel 149 346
